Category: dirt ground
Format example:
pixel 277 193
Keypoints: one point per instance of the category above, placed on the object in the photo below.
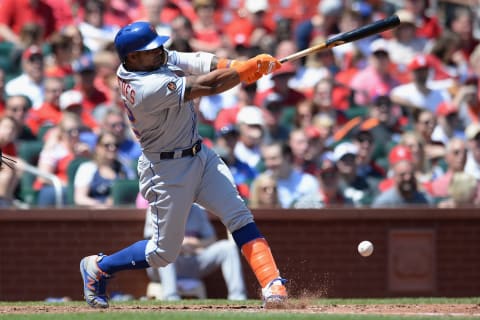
pixel 297 307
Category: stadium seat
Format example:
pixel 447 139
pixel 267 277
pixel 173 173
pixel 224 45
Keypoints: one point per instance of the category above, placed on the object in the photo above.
pixel 43 130
pixel 29 151
pixel 124 192
pixel 9 60
pixel 206 131
pixel 71 171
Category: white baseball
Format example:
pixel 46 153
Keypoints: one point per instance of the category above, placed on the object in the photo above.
pixel 365 248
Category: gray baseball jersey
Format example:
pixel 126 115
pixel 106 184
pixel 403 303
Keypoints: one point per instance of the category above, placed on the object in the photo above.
pixel 164 122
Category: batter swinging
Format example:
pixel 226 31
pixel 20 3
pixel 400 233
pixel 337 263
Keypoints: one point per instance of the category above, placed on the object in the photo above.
pixel 158 88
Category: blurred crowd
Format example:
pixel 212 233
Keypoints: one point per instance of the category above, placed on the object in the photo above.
pixel 391 120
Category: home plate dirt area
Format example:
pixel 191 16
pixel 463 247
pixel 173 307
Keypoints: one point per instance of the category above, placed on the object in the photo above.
pixel 297 307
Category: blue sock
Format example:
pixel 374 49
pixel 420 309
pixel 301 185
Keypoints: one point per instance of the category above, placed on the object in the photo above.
pixel 246 234
pixel 130 258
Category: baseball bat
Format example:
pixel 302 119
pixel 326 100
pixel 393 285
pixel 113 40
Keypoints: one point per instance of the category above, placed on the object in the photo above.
pixel 349 36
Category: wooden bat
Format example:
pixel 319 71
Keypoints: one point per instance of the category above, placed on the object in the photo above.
pixel 346 37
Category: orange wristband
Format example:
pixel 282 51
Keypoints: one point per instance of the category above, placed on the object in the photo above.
pixel 223 63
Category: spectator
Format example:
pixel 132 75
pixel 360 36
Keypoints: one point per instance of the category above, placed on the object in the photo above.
pixel 106 63
pixel 323 23
pixel 417 94
pixel 243 174
pixel 448 124
pixel 384 122
pixel 323 125
pixel 302 155
pixel 331 194
pixel 472 166
pixel 322 100
pixel 207 37
pixel 31 34
pixel 284 48
pixel 405 44
pixel 245 97
pixel 94 179
pixel 16 13
pixel 367 167
pixel 264 193
pixel 449 63
pixel 280 77
pixel 292 183
pixel 273 111
pixel 17 107
pixel 426 162
pixel 397 153
pixel 354 188
pixel 95 32
pixel 462 191
pixel 31 81
pixel 424 126
pixel 61 146
pixel 153 11
pixel 251 30
pixel 114 99
pixel 251 125
pixel 317 66
pixel 9 129
pixel 78 48
pixel 129 149
pixel 59 62
pixel 182 34
pixel 304 113
pixel 376 79
pixel 456 157
pixel 461 23
pixel 356 14
pixel 405 191
pixel 467 102
pixel 49 112
pixel 427 24
pixel 85 73
pixel 72 101
pixel 200 255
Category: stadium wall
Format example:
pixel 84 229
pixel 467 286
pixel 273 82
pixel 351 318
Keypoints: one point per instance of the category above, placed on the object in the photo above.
pixel 418 252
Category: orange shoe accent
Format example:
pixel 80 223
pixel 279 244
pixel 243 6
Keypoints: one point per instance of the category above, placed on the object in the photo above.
pixel 259 257
pixel 278 290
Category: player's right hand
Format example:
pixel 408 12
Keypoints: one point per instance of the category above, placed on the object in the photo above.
pixel 268 64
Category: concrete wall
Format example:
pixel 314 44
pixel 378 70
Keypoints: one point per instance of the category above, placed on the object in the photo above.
pixel 418 252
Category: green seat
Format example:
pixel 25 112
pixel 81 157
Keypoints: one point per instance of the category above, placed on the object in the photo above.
pixel 71 171
pixel 43 130
pixel 287 118
pixel 124 192
pixel 9 60
pixel 206 131
pixel 29 151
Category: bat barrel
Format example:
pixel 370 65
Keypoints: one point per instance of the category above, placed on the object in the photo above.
pixel 359 33
pixel 364 31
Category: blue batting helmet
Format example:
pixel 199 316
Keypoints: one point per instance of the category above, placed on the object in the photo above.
pixel 137 36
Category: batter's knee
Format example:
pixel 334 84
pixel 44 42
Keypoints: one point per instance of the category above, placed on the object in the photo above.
pixel 158 257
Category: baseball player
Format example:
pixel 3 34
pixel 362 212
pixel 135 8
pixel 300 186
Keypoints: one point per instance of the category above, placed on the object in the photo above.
pixel 175 169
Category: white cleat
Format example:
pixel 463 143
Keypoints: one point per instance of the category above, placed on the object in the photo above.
pixel 94 281
pixel 274 294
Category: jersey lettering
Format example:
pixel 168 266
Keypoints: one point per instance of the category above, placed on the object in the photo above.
pixel 127 91
pixel 130 115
